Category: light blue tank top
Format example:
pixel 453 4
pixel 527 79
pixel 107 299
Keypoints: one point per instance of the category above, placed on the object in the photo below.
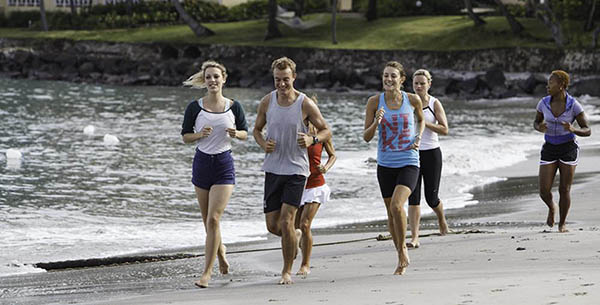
pixel 396 134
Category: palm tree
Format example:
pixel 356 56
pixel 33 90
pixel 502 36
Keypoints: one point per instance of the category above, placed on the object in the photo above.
pixel 196 27
pixel 272 29
pixel 43 16
pixel 476 19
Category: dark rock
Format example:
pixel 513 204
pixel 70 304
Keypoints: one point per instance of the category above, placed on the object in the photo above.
pixel 109 65
pixel 540 90
pixel 300 81
pixel 22 57
pixel 468 85
pixel 495 78
pixel 528 86
pixel 168 52
pixel 589 85
pixel 52 68
pixel 310 78
pixel 192 52
pixel 45 75
pixel 112 79
pixel 372 82
pixel 439 85
pixel 86 68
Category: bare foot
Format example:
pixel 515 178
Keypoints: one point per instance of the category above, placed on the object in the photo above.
pixel 443 227
pixel 223 263
pixel 550 219
pixel 562 228
pixel 413 244
pixel 403 262
pixel 203 282
pixel 303 271
pixel 298 239
pixel 286 279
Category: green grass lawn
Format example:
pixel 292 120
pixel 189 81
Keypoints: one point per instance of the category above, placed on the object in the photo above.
pixel 409 33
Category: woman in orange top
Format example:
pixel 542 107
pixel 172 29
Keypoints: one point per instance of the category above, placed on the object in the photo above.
pixel 316 192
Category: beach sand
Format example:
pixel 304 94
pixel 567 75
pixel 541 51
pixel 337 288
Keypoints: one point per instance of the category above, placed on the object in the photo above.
pixel 499 253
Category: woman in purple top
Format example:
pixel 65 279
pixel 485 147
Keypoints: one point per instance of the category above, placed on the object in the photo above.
pixel 555 116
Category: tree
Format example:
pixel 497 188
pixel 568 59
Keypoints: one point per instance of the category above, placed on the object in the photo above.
pixel 43 16
pixel 545 12
pixel 73 10
pixel 272 29
pixel 299 8
pixel 372 10
pixel 129 7
pixel 333 21
pixel 515 26
pixel 196 27
pixel 595 37
pixel 476 19
pixel 590 23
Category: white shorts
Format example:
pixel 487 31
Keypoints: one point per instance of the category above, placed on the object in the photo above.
pixel 318 194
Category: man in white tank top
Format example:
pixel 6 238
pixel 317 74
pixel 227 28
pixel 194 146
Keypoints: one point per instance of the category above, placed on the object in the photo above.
pixel 283 112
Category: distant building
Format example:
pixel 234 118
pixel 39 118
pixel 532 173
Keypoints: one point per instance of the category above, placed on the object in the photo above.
pixel 8 6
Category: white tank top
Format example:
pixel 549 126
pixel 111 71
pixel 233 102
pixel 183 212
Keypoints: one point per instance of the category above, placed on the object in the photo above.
pixel 218 141
pixel 429 138
pixel 283 126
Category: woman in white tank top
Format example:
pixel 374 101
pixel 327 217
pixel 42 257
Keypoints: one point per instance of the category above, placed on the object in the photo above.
pixel 430 158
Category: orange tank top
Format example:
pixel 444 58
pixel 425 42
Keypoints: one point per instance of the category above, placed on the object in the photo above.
pixel 314 159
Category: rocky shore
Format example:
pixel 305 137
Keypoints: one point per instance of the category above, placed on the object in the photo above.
pixel 492 73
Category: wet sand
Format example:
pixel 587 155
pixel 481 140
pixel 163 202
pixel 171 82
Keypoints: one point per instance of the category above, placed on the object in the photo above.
pixel 501 252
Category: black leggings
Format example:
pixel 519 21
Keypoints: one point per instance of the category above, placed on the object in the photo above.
pixel 431 172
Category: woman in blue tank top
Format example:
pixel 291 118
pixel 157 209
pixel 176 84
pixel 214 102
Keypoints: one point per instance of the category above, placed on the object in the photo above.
pixel 555 116
pixel 393 114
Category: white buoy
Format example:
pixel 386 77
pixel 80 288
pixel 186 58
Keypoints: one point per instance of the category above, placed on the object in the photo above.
pixel 110 139
pixel 89 130
pixel 13 154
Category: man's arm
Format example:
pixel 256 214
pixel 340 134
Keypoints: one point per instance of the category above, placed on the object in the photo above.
pixel 313 114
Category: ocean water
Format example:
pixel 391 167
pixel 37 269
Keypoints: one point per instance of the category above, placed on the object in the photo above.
pixel 73 197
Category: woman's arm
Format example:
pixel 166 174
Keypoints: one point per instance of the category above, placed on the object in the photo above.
pixel 539 124
pixel 415 101
pixel 372 118
pixel 441 127
pixel 331 157
pixel 584 130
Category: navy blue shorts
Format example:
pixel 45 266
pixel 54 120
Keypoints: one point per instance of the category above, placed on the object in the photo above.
pixel 209 170
pixel 389 177
pixel 281 189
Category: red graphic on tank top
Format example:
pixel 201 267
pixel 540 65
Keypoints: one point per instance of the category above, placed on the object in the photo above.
pixel 394 138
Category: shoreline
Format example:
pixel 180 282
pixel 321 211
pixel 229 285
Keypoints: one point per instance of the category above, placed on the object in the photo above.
pixel 483 229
